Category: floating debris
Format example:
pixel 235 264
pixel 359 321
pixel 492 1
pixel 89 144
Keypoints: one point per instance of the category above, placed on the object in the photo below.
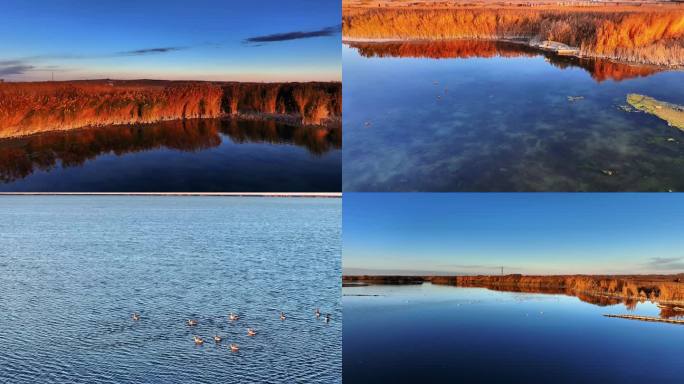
pixel 575 98
pixel 626 108
pixel 367 124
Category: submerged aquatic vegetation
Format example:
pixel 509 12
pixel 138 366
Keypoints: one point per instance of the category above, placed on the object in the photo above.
pixel 673 114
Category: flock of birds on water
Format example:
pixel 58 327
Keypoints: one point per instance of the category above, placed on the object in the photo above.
pixel 231 317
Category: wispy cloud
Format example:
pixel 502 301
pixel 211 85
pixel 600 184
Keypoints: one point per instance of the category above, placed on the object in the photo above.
pixel 14 67
pixel 295 35
pixel 4 63
pixel 150 51
pixel 666 263
pixel 23 65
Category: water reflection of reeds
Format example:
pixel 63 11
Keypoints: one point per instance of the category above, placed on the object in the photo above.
pixel 21 157
pixel 599 69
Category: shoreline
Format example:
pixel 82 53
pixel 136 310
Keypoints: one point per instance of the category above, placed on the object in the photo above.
pixel 284 119
pixel 521 40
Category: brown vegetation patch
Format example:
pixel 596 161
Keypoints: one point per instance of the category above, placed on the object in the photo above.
pixel 29 108
pixel 650 35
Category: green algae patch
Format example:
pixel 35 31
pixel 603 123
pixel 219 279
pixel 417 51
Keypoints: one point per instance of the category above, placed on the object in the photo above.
pixel 673 114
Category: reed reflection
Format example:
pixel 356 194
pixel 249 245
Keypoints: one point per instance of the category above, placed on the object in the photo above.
pixel 21 157
pixel 599 69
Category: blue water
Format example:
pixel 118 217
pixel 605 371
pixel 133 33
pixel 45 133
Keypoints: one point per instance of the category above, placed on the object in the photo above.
pixel 74 269
pixel 201 155
pixel 493 123
pixel 429 333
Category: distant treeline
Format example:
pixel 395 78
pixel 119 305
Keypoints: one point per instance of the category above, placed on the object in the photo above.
pixel 27 108
pixel 650 36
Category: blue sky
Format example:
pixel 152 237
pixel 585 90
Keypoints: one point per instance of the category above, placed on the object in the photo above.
pixel 268 40
pixel 526 233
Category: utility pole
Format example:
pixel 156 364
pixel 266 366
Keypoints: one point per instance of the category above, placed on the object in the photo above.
pixel 53 75
pixel 502 270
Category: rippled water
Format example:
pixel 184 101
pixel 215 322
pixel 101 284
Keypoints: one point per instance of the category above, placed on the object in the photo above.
pixel 200 155
pixel 484 116
pixel 427 333
pixel 74 269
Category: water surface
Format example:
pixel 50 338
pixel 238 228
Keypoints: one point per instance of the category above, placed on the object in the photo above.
pixel 74 269
pixel 200 155
pixel 428 333
pixel 485 116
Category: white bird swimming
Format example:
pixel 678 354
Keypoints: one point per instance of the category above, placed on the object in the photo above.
pixel 282 316
pixel 233 317
pixel 135 316
pixel 251 332
pixel 318 312
pixel 198 340
pixel 191 322
pixel 234 347
pixel 217 339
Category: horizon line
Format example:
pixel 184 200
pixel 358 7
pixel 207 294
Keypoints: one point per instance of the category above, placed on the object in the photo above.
pixel 206 194
pixel 514 274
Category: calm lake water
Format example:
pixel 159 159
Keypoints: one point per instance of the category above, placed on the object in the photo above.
pixel 427 333
pixel 74 269
pixel 484 116
pixel 202 155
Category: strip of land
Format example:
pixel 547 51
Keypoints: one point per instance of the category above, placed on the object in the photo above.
pixel 30 108
pixel 636 32
pixel 664 289
pixel 646 318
